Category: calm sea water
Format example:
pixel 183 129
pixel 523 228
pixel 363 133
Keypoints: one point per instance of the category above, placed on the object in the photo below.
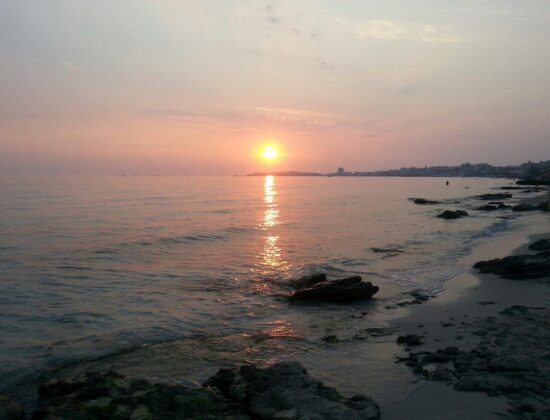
pixel 173 277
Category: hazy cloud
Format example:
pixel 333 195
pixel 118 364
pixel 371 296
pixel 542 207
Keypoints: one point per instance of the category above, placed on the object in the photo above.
pixel 389 30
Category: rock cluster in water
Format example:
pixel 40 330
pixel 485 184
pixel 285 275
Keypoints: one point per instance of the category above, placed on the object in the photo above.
pixel 511 359
pixel 518 267
pixel 540 245
pixel 316 287
pixel 492 197
pixel 283 391
pixel 531 207
pixel 453 214
pixel 493 207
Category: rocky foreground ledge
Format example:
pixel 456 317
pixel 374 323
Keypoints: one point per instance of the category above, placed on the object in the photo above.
pixel 512 359
pixel 282 391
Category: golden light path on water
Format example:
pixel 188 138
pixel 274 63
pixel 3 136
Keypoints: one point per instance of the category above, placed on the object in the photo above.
pixel 271 253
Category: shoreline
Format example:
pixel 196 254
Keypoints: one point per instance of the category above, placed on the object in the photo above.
pixel 451 319
pixel 441 321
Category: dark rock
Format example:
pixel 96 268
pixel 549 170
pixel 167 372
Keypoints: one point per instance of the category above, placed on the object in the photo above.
pixel 517 267
pixel 423 201
pixel 10 410
pixel 487 207
pixel 493 207
pixel 441 374
pixel 109 395
pixel 492 197
pixel 533 181
pixel 525 207
pixel 486 302
pixel 285 391
pixel 339 291
pixel 410 340
pixel 510 359
pixel 386 250
pixel 332 339
pixel 450 214
pixel 379 332
pixel 308 281
pixel 540 245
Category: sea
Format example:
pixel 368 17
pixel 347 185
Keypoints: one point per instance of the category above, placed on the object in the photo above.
pixel 171 278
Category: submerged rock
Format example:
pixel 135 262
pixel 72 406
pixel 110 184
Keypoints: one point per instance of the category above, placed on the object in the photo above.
pixel 423 201
pixel 339 291
pixel 517 267
pixel 452 214
pixel 286 391
pixel 540 245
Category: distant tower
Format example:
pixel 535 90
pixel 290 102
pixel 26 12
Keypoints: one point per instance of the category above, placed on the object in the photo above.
pixel 340 171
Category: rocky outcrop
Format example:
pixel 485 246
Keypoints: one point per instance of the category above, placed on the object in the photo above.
pixel 10 410
pixel 111 396
pixel 531 207
pixel 540 245
pixel 423 201
pixel 308 281
pixel 409 340
pixel 511 360
pixel 518 267
pixel 338 291
pixel 490 197
pixel 452 214
pixel 525 207
pixel 285 391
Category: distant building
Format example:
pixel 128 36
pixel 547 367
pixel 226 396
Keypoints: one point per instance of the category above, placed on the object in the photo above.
pixel 341 171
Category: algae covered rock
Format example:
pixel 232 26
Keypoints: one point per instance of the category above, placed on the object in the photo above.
pixel 111 396
pixel 286 391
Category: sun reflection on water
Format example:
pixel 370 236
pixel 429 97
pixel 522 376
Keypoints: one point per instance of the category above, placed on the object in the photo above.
pixel 271 260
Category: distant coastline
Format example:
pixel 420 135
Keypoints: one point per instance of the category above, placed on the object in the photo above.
pixel 537 172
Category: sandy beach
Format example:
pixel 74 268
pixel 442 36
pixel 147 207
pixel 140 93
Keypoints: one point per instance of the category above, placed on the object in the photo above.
pixel 454 318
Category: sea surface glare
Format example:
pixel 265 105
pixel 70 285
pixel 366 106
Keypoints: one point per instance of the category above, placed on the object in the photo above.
pixel 174 277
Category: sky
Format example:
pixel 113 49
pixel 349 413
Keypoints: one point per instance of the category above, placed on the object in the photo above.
pixel 195 87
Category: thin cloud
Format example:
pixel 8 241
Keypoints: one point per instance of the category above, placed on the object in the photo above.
pixel 70 65
pixel 382 29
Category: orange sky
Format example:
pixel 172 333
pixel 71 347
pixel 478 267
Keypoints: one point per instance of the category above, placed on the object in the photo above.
pixel 196 87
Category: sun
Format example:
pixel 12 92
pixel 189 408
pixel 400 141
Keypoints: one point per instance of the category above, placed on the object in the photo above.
pixel 270 153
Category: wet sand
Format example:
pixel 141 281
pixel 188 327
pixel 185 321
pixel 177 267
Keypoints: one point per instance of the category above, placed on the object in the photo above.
pixel 455 317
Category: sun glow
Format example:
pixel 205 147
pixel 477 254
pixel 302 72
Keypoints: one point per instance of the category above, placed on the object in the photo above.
pixel 270 153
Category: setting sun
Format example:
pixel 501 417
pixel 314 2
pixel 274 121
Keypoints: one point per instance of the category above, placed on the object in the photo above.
pixel 270 153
